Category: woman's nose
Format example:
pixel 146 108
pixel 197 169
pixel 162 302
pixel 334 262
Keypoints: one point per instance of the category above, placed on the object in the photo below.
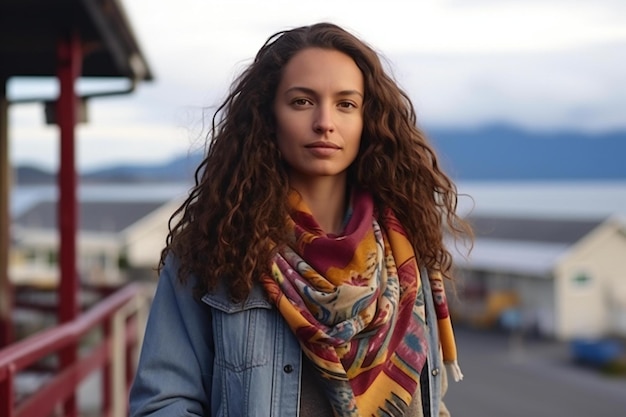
pixel 323 120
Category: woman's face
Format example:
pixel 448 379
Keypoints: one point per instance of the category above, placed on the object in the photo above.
pixel 319 114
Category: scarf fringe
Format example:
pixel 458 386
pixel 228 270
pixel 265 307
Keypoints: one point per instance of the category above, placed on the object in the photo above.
pixel 455 370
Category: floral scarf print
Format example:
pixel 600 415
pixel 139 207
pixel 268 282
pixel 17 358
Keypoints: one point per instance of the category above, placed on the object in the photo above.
pixel 356 305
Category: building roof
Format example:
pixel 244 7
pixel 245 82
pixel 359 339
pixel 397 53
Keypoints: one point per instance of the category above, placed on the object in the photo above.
pixel 527 258
pixel 527 246
pixel 24 198
pixel 94 216
pixel 30 29
pixel 539 230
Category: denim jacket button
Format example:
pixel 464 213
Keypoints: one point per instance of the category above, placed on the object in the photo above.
pixel 435 372
pixel 288 369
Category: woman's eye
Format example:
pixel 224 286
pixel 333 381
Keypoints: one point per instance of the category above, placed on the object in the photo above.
pixel 347 105
pixel 300 102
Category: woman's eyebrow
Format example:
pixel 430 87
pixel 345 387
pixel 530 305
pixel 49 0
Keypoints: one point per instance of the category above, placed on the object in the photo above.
pixel 310 91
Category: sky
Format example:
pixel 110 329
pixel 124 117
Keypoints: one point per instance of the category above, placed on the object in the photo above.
pixel 538 64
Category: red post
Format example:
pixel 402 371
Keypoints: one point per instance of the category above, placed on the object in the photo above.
pixel 107 372
pixel 69 69
pixel 6 288
pixel 7 394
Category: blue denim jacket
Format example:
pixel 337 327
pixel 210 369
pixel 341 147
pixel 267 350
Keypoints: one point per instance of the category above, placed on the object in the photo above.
pixel 217 358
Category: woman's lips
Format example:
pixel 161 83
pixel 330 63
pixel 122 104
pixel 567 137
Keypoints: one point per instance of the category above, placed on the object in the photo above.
pixel 323 149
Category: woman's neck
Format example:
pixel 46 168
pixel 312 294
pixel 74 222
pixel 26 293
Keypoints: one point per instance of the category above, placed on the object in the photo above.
pixel 326 198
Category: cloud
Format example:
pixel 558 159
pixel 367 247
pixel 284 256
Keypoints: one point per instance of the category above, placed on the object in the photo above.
pixel 537 90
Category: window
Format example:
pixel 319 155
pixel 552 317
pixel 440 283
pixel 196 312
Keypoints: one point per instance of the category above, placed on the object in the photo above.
pixel 581 279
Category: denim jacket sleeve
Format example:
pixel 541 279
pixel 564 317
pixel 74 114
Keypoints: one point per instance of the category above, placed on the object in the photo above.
pixel 175 367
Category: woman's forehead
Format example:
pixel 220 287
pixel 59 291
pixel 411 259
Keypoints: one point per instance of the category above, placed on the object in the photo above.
pixel 327 69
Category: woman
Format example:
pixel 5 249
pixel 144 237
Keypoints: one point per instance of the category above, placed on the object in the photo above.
pixel 303 275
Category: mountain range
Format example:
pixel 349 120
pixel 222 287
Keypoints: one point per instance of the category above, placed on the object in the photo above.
pixel 487 153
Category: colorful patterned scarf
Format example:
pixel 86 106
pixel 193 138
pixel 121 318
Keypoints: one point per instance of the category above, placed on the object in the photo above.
pixel 356 305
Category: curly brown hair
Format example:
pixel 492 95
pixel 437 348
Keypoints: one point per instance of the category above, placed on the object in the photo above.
pixel 229 227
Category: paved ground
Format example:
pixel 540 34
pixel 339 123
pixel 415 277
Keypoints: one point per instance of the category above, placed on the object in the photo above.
pixel 507 378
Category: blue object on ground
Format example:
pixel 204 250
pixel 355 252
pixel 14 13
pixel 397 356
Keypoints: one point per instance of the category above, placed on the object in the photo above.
pixel 598 352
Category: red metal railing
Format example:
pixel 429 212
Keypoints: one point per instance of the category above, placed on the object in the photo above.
pixel 120 317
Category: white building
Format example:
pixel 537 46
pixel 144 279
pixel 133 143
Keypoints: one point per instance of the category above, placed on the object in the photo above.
pixel 122 230
pixel 548 255
pixel 564 278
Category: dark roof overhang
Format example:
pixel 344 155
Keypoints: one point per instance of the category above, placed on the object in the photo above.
pixel 30 31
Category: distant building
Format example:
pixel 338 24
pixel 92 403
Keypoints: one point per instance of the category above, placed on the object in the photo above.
pixel 118 240
pixel 560 277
